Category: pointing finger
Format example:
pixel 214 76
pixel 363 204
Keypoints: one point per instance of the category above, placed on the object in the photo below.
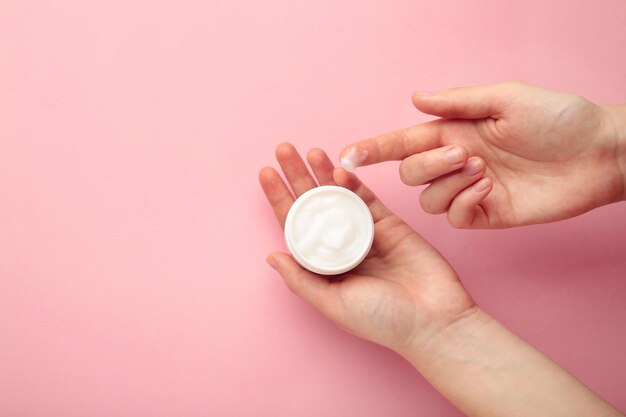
pixel 392 146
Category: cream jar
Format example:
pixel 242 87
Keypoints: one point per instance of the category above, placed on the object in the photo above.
pixel 329 230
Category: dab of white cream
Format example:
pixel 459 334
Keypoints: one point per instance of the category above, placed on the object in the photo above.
pixel 353 158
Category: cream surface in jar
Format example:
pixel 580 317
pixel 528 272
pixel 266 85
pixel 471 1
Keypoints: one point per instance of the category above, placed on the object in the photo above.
pixel 329 230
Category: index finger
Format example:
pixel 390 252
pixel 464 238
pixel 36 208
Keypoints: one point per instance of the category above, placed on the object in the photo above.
pixel 392 146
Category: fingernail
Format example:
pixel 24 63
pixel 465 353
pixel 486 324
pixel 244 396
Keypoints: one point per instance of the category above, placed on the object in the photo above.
pixel 454 156
pixel 473 167
pixel 272 262
pixel 481 185
pixel 352 158
pixel 423 93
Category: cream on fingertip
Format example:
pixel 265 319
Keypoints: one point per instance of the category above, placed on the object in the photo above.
pixel 352 158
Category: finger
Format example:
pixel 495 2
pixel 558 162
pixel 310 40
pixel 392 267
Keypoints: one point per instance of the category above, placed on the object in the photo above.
pixel 277 193
pixel 392 146
pixel 294 169
pixel 322 166
pixel 438 196
pixel 350 181
pixel 468 102
pixel 309 286
pixel 424 167
pixel 465 211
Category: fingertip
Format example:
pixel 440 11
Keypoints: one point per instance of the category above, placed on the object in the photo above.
pixel 427 204
pixel 454 223
pixel 265 174
pixel 483 186
pixel 403 172
pixel 271 261
pixel 284 149
pixel 353 157
pixel 465 211
pixel 299 280
pixel 283 260
pixel 421 100
pixel 465 153
pixel 315 155
pixel 346 149
pixel 283 263
pixel 269 179
pixel 419 95
pixel 415 99
pixel 474 166
pixel 344 178
pixel 343 156
pixel 339 174
pixel 455 155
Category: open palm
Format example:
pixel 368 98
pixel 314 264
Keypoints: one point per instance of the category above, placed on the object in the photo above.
pixel 404 288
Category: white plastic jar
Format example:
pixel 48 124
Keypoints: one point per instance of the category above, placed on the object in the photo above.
pixel 329 230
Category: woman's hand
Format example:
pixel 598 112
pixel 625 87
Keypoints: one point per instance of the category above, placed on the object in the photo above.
pixel 403 292
pixel 405 296
pixel 507 155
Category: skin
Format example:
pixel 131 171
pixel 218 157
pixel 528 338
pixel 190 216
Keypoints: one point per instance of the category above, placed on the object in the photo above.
pixel 542 156
pixel 404 285
pixel 406 296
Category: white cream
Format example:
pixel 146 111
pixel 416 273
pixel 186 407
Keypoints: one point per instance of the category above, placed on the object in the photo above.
pixel 352 158
pixel 329 230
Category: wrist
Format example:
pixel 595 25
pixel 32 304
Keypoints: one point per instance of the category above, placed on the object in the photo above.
pixel 486 370
pixel 615 124
pixel 424 348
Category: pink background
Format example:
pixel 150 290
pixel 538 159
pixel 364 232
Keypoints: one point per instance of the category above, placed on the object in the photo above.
pixel 133 233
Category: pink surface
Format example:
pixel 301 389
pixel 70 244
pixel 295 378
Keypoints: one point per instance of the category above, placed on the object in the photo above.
pixel 133 233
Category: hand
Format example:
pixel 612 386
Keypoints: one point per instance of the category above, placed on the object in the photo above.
pixel 405 296
pixel 506 155
pixel 402 292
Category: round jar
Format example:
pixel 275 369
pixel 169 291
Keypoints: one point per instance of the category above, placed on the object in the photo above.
pixel 329 230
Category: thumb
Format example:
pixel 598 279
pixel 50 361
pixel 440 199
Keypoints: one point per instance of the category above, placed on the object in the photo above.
pixel 311 287
pixel 468 102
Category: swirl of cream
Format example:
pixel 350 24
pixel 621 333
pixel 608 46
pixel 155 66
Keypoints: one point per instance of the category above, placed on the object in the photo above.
pixel 326 232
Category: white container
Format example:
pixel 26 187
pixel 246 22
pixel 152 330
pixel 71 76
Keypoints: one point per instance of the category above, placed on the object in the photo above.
pixel 329 230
